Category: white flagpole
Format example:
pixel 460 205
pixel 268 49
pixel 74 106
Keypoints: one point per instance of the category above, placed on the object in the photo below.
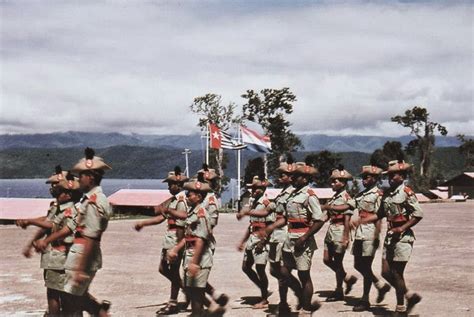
pixel 265 163
pixel 207 145
pixel 238 165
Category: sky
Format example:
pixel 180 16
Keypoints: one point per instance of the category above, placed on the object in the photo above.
pixel 136 66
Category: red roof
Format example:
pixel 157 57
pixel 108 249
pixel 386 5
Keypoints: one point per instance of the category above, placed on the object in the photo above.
pixel 23 208
pixel 139 197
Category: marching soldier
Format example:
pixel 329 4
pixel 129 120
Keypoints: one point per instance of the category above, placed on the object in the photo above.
pixel 367 235
pixel 402 210
pixel 174 234
pixel 337 236
pixel 85 257
pixel 254 247
pixel 304 218
pixel 59 225
pixel 211 204
pixel 198 254
pixel 279 234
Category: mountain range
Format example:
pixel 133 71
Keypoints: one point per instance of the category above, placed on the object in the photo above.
pixel 311 142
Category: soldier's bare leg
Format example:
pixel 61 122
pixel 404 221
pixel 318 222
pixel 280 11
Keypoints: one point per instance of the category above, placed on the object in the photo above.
pixel 197 300
pixel 291 281
pixel 262 275
pixel 54 303
pixel 247 269
pixel 307 287
pixel 397 269
pixel 171 272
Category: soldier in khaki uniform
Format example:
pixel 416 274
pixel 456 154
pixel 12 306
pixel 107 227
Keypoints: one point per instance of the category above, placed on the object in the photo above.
pixel 198 255
pixel 367 235
pixel 402 210
pixel 173 234
pixel 211 204
pixel 254 247
pixel 304 218
pixel 58 226
pixel 338 234
pixel 85 257
pixel 278 236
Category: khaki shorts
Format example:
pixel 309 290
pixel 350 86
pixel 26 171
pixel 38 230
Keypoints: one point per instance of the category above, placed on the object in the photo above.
pixel 275 252
pixel 200 280
pixel 74 288
pixel 257 256
pixel 334 247
pixel 397 252
pixel 298 260
pixel 54 279
pixel 364 248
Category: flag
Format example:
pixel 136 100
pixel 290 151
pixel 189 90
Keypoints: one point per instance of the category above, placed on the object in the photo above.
pixel 231 144
pixel 255 142
pixel 221 139
pixel 214 136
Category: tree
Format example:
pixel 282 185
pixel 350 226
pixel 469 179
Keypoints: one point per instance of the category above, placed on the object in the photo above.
pixel 391 150
pixel 467 149
pixel 211 110
pixel 325 162
pixel 254 167
pixel 417 119
pixel 269 109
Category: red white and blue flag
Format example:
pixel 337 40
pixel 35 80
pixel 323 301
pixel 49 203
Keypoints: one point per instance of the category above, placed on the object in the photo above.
pixel 254 141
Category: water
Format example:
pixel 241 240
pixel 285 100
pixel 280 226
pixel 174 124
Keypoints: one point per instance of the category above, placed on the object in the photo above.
pixel 36 188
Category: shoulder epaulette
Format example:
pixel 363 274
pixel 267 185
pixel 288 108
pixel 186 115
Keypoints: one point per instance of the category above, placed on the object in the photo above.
pixel 212 200
pixel 380 192
pixel 68 212
pixel 266 202
pixel 181 198
pixel 201 213
pixel 93 198
pixel 311 192
pixel 347 196
pixel 52 203
pixel 408 191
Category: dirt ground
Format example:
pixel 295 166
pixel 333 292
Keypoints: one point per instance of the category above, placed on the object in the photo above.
pixel 441 270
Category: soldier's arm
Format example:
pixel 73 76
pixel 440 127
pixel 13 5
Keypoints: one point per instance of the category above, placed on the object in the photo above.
pixel 149 222
pixel 85 256
pixel 343 207
pixel 41 222
pixel 244 239
pixel 347 229
pixel 180 212
pixel 269 229
pixel 42 244
pixel 38 235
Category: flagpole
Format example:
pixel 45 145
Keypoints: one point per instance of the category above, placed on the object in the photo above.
pixel 238 166
pixel 265 164
pixel 207 144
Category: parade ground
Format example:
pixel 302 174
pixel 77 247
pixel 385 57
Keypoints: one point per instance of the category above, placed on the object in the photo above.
pixel 441 270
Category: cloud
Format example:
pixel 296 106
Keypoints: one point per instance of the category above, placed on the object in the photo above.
pixel 117 66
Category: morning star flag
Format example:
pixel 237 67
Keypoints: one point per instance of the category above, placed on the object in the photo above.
pixel 230 144
pixel 255 142
pixel 221 139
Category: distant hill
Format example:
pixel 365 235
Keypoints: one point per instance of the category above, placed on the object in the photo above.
pixel 311 142
pixel 148 162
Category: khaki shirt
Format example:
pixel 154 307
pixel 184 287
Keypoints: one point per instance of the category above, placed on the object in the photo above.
pixel 336 229
pixel 303 204
pixel 398 204
pixel 178 202
pixel 278 206
pixel 368 201
pixel 198 225
pixel 56 253
pixel 260 204
pixel 93 218
pixel 53 207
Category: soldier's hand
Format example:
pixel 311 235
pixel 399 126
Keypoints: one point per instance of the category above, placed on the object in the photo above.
pixel 395 230
pixel 239 216
pixel 171 255
pixel 27 251
pixel 22 223
pixel 262 234
pixel 40 245
pixel 300 243
pixel 241 247
pixel 345 242
pixel 325 207
pixel 138 226
pixel 354 223
pixel 260 247
pixel 193 269
pixel 79 277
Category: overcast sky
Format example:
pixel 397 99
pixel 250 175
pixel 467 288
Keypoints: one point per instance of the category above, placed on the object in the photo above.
pixel 135 66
